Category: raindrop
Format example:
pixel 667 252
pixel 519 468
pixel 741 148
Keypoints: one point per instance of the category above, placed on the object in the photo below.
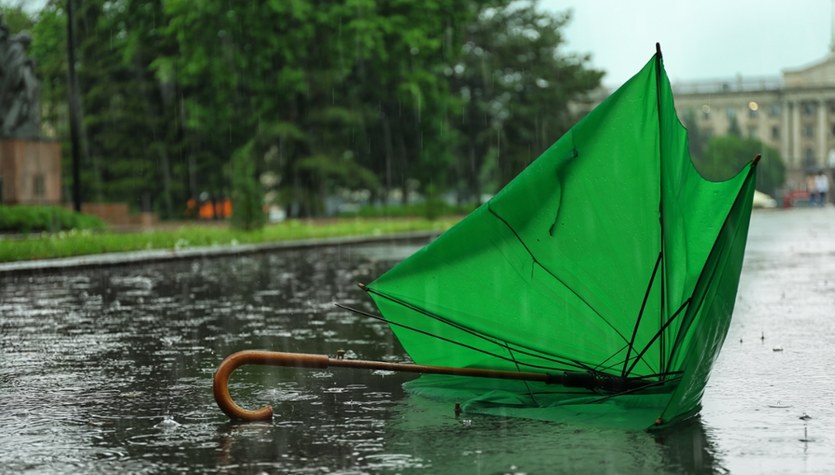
pixel 167 423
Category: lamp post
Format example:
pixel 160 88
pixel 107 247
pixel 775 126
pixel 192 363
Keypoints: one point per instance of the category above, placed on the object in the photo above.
pixel 74 109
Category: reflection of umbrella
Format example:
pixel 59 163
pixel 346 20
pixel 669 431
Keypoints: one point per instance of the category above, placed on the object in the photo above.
pixel 609 265
pixel 425 428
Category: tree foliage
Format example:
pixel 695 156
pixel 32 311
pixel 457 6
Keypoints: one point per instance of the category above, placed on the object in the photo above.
pixel 388 96
pixel 725 156
pixel 515 86
pixel 247 196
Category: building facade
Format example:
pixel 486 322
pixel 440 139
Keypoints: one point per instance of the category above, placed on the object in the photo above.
pixel 794 113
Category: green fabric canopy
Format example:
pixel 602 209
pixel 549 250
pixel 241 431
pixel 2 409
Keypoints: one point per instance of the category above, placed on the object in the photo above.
pixel 609 255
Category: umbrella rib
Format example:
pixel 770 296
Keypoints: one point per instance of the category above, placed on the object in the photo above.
pixel 662 233
pixel 600 365
pixel 631 391
pixel 488 338
pixel 660 375
pixel 448 340
pixel 631 344
pixel 527 386
pixel 549 272
pixel 657 335
pixel 618 363
pixel 484 336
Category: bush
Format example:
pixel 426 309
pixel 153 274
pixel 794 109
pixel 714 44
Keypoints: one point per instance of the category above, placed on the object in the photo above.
pixel 27 219
pixel 247 195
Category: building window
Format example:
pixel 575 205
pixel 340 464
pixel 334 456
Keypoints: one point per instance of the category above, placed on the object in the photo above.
pixel 731 113
pixel 809 158
pixel 775 110
pixel 833 130
pixel 808 108
pixel 808 131
pixel 775 132
pixel 38 185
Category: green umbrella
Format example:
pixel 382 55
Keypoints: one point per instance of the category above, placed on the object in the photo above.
pixel 596 287
pixel 609 256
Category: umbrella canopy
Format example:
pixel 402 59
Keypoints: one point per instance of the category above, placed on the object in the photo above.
pixel 609 254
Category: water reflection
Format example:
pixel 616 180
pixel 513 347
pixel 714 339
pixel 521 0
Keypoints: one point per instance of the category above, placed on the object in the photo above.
pixel 110 371
pixel 480 444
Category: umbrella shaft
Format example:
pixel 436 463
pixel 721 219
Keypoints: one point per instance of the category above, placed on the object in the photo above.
pixel 304 360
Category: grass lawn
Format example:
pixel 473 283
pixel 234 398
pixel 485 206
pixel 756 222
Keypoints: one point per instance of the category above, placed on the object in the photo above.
pixel 78 243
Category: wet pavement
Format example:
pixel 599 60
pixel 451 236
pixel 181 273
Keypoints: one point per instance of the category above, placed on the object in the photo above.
pixel 770 403
pixel 108 370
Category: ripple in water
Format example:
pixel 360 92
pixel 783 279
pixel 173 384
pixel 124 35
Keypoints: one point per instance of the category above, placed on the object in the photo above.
pixel 167 423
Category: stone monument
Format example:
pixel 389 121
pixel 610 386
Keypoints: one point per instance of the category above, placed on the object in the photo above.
pixel 30 165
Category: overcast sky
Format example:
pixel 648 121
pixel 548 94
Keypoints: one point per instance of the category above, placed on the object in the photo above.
pixel 700 39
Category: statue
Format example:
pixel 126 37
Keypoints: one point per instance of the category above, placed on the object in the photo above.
pixel 19 102
pixel 30 164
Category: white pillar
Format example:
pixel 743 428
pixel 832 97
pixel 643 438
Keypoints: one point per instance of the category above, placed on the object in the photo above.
pixel 822 130
pixel 786 133
pixel 797 156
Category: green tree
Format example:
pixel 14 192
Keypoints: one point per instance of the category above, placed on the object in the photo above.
pixel 274 74
pixel 696 137
pixel 326 96
pixel 733 126
pixel 517 87
pixel 403 91
pixel 130 127
pixel 16 18
pixel 49 46
pixel 724 156
pixel 247 195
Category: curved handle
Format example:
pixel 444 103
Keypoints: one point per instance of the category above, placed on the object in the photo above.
pixel 220 383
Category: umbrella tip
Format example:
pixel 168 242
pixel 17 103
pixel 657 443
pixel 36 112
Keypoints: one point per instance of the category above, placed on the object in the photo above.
pixel 362 286
pixel 756 160
pixel 658 49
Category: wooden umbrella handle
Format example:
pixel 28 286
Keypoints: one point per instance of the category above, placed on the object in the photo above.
pixel 220 383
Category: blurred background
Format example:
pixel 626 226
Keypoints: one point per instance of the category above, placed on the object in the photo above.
pixel 309 108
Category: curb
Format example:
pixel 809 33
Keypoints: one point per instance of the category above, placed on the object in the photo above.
pixel 167 255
